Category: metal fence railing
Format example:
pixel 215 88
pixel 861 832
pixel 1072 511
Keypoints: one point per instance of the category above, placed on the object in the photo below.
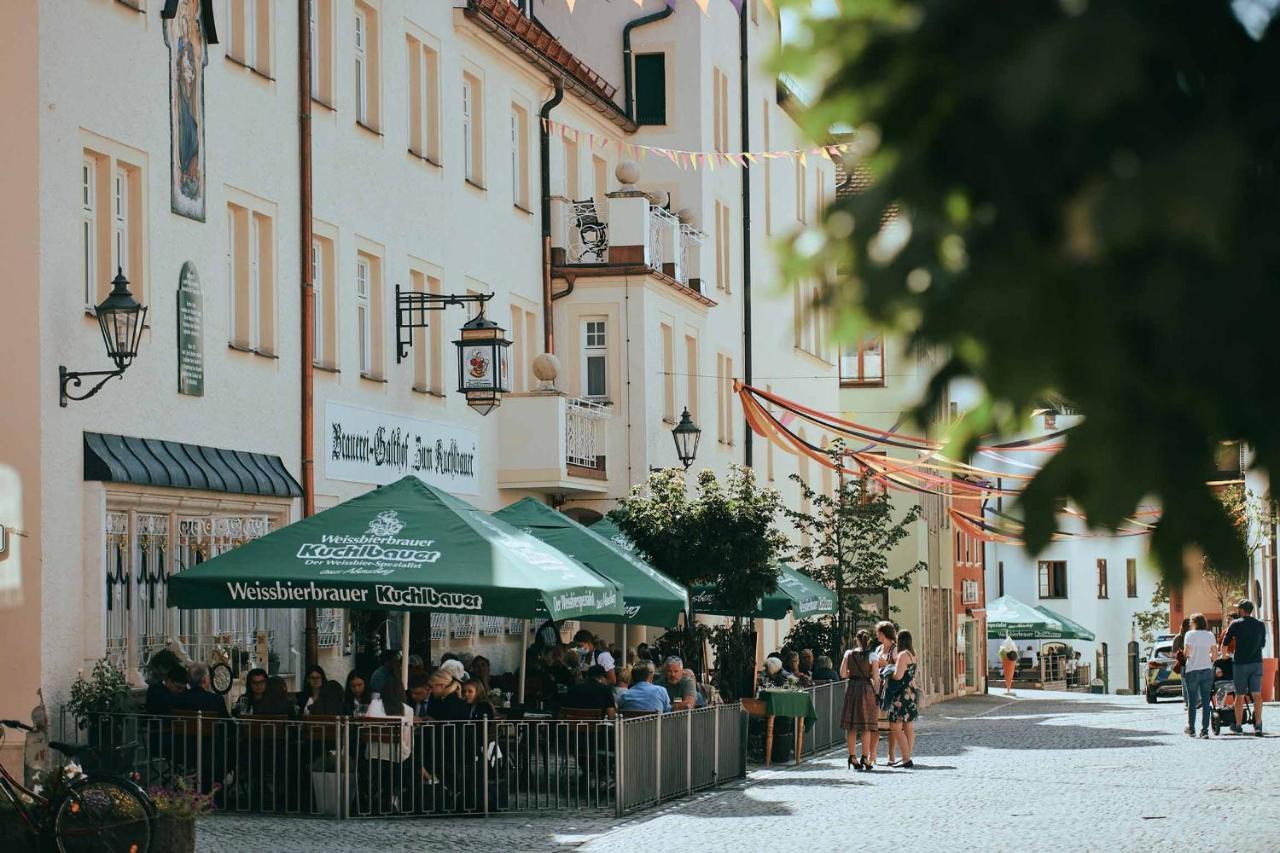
pixel 346 767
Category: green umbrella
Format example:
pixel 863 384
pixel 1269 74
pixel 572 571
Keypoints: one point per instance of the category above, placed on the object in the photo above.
pixel 648 596
pixel 406 546
pixel 1071 630
pixel 796 591
pixel 1009 616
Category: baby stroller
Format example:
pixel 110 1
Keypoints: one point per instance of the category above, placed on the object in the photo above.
pixel 1223 700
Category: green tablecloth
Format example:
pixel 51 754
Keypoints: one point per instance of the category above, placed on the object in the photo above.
pixel 790 703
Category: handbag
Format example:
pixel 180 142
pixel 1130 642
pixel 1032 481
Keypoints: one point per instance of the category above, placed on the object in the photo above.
pixel 1179 660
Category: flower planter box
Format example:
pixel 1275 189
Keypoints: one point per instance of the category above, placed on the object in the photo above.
pixel 174 835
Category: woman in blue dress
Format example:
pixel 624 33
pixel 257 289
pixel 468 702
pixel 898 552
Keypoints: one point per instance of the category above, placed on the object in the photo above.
pixel 900 698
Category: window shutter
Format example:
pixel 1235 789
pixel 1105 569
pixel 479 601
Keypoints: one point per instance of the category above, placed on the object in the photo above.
pixel 651 88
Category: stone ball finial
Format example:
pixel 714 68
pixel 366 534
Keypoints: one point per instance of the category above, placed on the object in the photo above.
pixel 685 215
pixel 546 367
pixel 627 172
pixel 659 198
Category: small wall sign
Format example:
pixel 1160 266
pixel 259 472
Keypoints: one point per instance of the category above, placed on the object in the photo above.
pixel 190 332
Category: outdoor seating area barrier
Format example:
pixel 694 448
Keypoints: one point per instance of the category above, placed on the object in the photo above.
pixel 348 767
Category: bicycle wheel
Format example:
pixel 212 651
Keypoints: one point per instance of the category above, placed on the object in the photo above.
pixel 101 816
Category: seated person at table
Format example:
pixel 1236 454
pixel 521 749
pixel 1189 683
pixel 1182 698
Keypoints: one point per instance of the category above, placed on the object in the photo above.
pixel 446 700
pixel 454 667
pixel 624 681
pixel 593 694
pixel 418 694
pixel 773 675
pixel 478 670
pixel 807 662
pixel 276 701
pixel 255 684
pixel 330 702
pixel 680 684
pixel 823 670
pixel 644 695
pixel 198 696
pixel 791 665
pixel 170 684
pixel 477 699
pixel 357 695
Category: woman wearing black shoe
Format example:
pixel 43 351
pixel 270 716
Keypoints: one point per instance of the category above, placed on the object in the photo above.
pixel 861 713
pixel 900 698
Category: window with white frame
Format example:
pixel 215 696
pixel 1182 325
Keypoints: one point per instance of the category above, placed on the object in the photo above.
pixel 321 13
pixel 89 229
pixel 248 38
pixel 571 167
pixel 720 109
pixel 802 189
pixel 251 292
pixel 668 374
pixel 424 99
pixel 472 129
pixel 112 191
pixel 595 357
pixel 361 54
pixel 1052 578
pixel 324 263
pixel 120 221
pixel 520 156
pixel 724 398
pixel 862 363
pixel 364 314
pixel 144 547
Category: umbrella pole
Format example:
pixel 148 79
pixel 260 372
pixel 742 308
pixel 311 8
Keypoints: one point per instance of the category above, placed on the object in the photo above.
pixel 524 661
pixel 404 650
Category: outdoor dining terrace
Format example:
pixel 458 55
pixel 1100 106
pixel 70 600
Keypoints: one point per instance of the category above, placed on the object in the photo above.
pixel 356 767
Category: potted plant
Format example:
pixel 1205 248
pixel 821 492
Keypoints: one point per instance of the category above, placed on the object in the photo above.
pixel 177 807
pixel 99 704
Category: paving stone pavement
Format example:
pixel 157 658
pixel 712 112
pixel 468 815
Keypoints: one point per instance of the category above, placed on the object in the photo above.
pixel 1042 771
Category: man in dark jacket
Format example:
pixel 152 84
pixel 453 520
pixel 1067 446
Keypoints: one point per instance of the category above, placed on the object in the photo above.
pixel 198 696
pixel 162 694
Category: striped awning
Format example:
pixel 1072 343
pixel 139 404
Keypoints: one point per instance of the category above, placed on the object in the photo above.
pixel 155 462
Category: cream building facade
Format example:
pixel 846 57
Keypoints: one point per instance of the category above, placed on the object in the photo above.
pixel 426 153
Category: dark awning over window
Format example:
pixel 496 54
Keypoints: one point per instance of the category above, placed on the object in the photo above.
pixel 152 462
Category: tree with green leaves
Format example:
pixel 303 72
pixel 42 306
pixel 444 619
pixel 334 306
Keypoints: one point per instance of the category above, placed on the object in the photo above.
pixel 847 538
pixel 1248 514
pixel 723 534
pixel 1086 207
pixel 1156 620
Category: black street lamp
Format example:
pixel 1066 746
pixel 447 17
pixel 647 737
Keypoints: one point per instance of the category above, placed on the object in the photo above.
pixel 121 320
pixel 686 435
pixel 482 363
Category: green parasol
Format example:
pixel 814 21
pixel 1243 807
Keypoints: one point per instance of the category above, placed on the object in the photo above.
pixel 406 546
pixel 648 596
pixel 1009 616
pixel 1070 630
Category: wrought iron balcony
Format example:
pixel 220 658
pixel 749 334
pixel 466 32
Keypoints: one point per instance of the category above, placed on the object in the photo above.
pixel 553 443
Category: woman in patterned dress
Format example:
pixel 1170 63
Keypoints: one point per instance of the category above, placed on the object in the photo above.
pixel 900 699
pixel 861 713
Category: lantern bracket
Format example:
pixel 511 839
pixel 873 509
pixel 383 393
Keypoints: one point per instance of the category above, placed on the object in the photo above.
pixel 412 307
pixel 74 379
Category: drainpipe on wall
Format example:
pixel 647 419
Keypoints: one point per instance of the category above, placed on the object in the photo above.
pixel 744 72
pixel 544 158
pixel 628 95
pixel 308 293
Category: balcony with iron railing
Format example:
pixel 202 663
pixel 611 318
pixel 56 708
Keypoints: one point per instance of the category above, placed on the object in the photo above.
pixel 553 443
pixel 637 231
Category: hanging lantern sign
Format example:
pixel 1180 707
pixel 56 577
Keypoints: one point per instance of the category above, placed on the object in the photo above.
pixel 482 363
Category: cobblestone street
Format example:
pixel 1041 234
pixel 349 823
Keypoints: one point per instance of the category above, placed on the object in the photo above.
pixel 1042 771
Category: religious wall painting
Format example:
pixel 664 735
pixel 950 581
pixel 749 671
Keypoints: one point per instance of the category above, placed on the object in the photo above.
pixel 185 35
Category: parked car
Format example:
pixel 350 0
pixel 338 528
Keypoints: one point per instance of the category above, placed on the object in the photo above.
pixel 1161 679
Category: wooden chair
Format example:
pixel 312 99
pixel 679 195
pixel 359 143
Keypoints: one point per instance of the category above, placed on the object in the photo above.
pixel 582 714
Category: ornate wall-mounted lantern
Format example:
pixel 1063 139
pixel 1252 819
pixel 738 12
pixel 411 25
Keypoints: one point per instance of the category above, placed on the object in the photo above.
pixel 483 372
pixel 121 320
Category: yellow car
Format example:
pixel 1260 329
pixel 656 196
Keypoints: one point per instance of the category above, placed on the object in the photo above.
pixel 1161 679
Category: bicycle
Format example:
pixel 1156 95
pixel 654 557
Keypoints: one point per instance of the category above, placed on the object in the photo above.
pixel 92 814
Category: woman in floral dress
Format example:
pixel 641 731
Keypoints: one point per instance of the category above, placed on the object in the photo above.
pixel 900 698
pixel 860 715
